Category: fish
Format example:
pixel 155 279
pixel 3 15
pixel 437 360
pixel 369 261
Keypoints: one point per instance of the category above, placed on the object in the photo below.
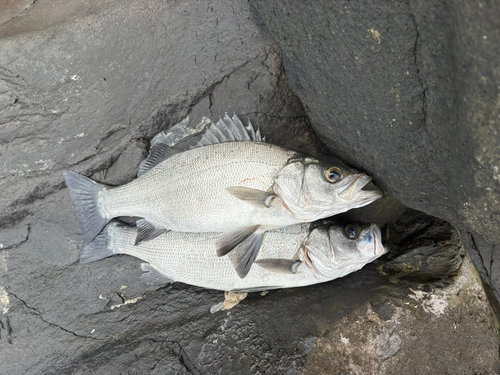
pixel 231 182
pixel 294 256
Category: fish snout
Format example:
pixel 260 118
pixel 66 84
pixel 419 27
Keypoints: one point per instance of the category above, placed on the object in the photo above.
pixel 371 245
pixel 349 190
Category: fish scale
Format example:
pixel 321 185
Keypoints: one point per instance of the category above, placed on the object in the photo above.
pixel 196 182
pixel 318 253
pixel 191 258
pixel 229 183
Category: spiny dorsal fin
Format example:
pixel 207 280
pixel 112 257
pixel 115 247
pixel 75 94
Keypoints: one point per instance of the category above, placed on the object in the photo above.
pixel 229 130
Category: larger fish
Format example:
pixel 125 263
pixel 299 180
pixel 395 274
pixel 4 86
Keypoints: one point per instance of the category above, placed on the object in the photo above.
pixel 297 255
pixel 234 184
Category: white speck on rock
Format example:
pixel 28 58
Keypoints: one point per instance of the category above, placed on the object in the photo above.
pixel 47 164
pixel 4 300
pixel 127 301
pixel 345 340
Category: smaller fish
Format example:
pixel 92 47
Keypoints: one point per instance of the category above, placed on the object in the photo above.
pixel 293 256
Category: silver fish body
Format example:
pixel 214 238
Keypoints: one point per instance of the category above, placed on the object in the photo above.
pixel 241 188
pixel 187 192
pixel 318 255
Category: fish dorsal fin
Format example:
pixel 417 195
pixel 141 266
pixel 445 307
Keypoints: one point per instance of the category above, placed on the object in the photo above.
pixel 158 153
pixel 229 130
pixel 151 275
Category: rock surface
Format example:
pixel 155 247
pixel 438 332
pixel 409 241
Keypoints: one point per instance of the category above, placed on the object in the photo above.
pixel 409 92
pixel 85 88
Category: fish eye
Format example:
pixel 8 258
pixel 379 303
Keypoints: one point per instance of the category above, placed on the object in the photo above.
pixel 351 231
pixel 333 174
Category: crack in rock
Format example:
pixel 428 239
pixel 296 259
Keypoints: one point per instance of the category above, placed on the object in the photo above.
pixel 39 315
pixel 20 243
pixel 5 330
pixel 415 62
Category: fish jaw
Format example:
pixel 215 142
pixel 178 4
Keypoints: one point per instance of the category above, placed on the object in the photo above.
pixel 352 194
pixel 371 245
pixel 353 189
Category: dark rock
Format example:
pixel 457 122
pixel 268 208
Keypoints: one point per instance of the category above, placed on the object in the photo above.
pixel 407 91
pixel 85 88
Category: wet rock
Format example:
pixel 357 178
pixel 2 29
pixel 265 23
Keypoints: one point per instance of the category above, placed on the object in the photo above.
pixel 386 336
pixel 64 317
pixel 407 91
pixel 107 77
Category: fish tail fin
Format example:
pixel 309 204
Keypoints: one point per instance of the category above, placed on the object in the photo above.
pixel 98 249
pixel 84 194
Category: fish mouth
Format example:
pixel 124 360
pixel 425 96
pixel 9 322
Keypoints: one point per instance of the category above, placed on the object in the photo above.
pixel 378 246
pixel 353 190
pixel 371 246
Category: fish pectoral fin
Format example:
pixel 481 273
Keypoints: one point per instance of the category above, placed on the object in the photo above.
pixel 158 153
pixel 147 231
pixel 251 196
pixel 151 275
pixel 285 266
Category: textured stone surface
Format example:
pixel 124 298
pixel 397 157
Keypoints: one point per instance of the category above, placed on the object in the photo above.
pixel 408 91
pixel 85 88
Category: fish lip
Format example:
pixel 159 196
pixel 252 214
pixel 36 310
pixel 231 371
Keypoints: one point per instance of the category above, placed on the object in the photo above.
pixel 378 246
pixel 348 191
pixel 368 196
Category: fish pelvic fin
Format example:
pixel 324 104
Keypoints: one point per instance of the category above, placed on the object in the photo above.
pixel 151 275
pixel 147 231
pixel 84 194
pixel 97 249
pixel 243 256
pixel 283 266
pixel 251 196
pixel 229 241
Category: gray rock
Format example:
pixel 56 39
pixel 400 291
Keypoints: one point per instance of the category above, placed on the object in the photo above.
pixel 85 88
pixel 407 91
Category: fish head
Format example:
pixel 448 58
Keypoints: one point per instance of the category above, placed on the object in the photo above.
pixel 339 249
pixel 313 190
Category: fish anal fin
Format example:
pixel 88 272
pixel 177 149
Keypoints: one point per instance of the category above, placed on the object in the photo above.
pixel 244 255
pixel 147 231
pixel 284 266
pixel 151 275
pixel 255 197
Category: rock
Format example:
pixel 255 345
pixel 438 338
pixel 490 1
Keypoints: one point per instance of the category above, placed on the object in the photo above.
pixel 408 92
pixel 106 78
